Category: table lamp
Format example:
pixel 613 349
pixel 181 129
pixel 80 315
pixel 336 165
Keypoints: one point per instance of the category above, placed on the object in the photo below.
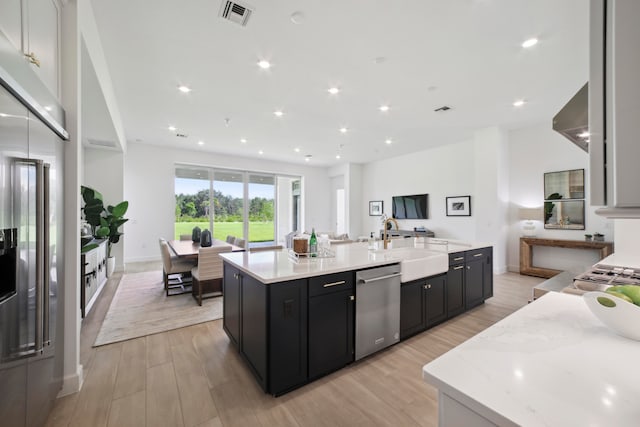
pixel 528 215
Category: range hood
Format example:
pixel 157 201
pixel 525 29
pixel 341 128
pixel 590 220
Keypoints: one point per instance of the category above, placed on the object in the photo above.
pixel 573 118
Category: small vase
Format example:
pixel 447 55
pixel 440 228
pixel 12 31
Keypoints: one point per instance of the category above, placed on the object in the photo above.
pixel 111 265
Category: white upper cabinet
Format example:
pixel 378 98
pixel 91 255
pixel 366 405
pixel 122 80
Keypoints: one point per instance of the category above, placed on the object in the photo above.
pixel 11 21
pixel 41 40
pixel 33 26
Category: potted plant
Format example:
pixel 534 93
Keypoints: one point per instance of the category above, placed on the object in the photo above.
pixel 597 237
pixel 588 237
pixel 105 222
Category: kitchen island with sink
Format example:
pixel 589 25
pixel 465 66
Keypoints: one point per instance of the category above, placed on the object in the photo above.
pixel 296 319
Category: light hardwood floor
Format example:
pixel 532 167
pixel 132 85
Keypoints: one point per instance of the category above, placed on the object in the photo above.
pixel 194 377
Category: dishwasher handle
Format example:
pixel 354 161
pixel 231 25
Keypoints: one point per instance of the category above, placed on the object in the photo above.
pixel 375 279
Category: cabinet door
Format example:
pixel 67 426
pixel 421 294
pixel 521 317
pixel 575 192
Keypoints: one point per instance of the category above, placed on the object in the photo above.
pixel 455 290
pixel 487 280
pixel 253 326
pixel 412 308
pixel 231 303
pixel 11 21
pixel 42 40
pixel 473 277
pixel 331 329
pixel 287 335
pixel 434 291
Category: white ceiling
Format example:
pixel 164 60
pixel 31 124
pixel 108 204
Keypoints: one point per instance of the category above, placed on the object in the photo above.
pixel 465 54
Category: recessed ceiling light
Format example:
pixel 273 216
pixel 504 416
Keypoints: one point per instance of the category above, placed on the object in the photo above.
pixel 172 128
pixel 48 108
pixel 519 103
pixel 337 156
pixel 307 157
pixel 297 150
pixel 200 143
pixel 388 141
pixel 243 140
pixel 584 135
pixel 297 17
pixel 184 89
pixel 265 65
pixel 260 152
pixel 530 42
pixel 384 108
pixel 333 90
pixel 343 130
pixel 278 113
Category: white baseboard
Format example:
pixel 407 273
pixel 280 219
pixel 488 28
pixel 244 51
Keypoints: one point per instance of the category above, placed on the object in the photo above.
pixel 72 383
pixel 514 268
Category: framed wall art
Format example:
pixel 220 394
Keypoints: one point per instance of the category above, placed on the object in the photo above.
pixel 459 206
pixel 375 208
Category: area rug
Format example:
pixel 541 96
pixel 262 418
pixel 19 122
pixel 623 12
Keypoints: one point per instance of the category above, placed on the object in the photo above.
pixel 140 307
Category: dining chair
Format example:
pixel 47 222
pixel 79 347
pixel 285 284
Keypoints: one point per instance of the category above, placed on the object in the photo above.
pixel 207 275
pixel 265 248
pixel 185 237
pixel 231 239
pixel 240 242
pixel 175 267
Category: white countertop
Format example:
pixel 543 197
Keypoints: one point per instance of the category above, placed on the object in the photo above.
pixel 277 266
pixel 551 363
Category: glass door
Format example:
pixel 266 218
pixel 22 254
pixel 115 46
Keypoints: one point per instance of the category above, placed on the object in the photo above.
pixel 192 193
pixel 261 191
pixel 228 205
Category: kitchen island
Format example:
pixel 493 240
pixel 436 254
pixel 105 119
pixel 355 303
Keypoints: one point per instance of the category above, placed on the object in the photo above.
pixel 292 320
pixel 551 363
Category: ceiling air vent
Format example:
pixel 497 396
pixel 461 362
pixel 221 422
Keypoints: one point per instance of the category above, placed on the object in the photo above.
pixel 181 135
pixel 101 143
pixel 235 12
pixel 443 108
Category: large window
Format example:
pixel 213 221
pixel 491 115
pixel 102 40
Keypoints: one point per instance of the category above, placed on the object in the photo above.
pixel 259 208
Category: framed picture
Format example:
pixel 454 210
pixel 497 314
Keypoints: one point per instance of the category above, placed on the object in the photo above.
pixel 564 214
pixel 459 206
pixel 375 208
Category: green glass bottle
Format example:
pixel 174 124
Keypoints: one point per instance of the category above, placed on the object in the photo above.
pixel 313 243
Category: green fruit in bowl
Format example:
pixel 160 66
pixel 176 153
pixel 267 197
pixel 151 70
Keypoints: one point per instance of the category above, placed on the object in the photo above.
pixel 632 291
pixel 618 295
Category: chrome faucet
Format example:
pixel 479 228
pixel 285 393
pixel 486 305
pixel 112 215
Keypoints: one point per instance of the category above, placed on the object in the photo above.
pixel 384 232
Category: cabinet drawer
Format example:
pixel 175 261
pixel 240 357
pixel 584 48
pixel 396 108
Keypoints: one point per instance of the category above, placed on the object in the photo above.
pixel 330 283
pixel 456 258
pixel 477 254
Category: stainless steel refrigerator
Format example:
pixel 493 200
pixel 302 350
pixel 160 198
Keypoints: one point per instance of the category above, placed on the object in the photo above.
pixel 31 248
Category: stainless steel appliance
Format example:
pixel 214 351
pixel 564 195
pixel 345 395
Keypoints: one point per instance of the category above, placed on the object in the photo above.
pixel 377 309
pixel 31 240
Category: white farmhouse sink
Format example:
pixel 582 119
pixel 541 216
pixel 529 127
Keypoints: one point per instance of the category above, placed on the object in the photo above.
pixel 417 263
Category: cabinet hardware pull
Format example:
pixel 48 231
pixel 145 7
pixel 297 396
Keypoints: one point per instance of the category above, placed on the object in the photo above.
pixel 468 267
pixel 477 255
pixel 460 258
pixel 458 267
pixel 427 286
pixel 32 58
pixel 328 285
pixel 351 297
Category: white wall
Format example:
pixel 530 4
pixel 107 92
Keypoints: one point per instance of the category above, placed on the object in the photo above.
pixel 149 173
pixel 104 172
pixel 532 152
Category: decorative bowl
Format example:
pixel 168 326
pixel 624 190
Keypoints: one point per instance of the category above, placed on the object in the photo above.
pixel 623 317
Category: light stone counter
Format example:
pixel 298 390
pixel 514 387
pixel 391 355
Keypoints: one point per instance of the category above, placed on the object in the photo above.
pixel 551 363
pixel 277 266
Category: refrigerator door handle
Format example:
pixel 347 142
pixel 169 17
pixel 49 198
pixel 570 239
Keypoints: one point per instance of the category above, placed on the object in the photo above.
pixel 46 275
pixel 39 253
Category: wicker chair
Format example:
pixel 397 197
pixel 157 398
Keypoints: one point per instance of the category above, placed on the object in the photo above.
pixel 185 237
pixel 173 266
pixel 231 239
pixel 207 276
pixel 240 242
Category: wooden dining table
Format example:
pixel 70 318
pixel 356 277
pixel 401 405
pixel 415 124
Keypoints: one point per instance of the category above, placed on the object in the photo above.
pixel 188 250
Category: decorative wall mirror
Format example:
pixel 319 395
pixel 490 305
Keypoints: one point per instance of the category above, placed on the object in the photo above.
pixel 564 200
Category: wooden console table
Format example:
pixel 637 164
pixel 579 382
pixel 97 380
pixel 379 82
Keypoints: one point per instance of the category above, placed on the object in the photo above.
pixel 526 253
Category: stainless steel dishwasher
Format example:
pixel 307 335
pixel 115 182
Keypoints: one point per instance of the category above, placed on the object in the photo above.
pixel 377 309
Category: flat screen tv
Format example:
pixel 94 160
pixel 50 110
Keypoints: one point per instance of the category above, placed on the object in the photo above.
pixel 410 207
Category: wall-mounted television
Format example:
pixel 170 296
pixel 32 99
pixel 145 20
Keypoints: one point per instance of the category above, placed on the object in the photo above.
pixel 410 207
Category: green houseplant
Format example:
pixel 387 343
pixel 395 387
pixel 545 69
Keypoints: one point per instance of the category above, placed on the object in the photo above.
pixel 105 222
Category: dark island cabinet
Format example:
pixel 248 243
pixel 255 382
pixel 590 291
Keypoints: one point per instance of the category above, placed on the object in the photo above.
pixel 331 323
pixel 478 276
pixel 455 285
pixel 231 303
pixel 422 304
pixel 268 325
